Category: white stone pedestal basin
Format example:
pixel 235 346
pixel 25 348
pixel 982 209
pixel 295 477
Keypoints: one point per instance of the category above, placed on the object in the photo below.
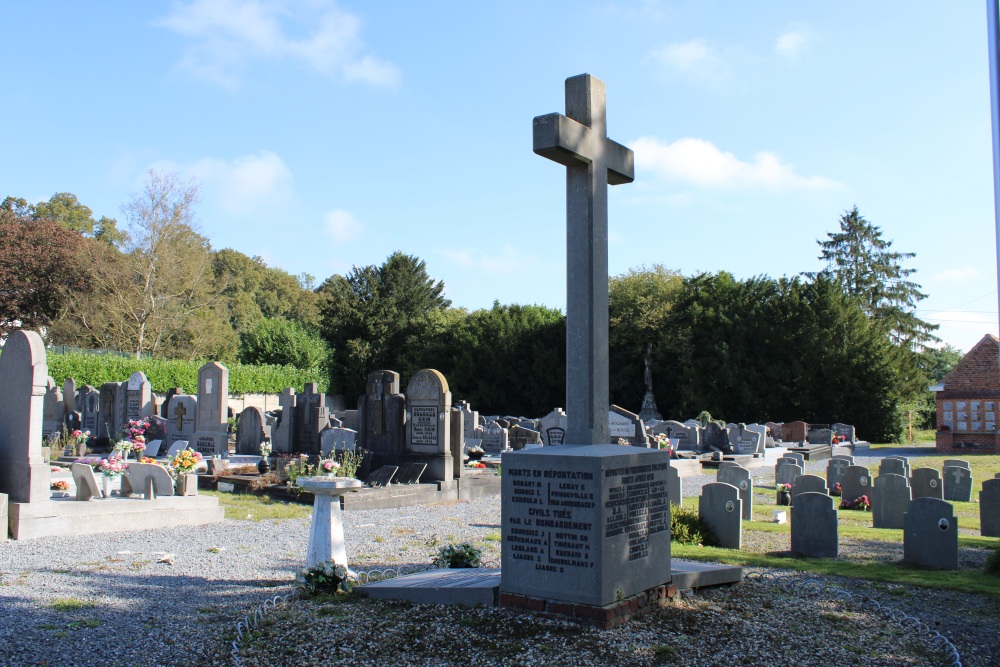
pixel 326 537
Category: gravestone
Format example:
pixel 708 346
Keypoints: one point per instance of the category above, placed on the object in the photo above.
pixel 470 419
pixel 409 473
pixel 855 481
pixel 819 436
pixel 786 473
pixel 989 508
pixel 715 438
pixel 250 431
pixel 904 459
pixel 382 477
pixel 53 410
pixel 762 430
pixel 739 477
pixel 926 483
pixel 381 416
pixel 284 424
pixel 808 484
pixel 181 419
pixel 957 484
pixel 889 466
pixel 90 405
pixel 211 436
pixel 814 526
pixel 777 432
pixel 165 405
pixel 614 534
pixel 845 431
pixel 794 431
pixel 675 488
pixel 149 480
pixel 85 481
pixel 890 498
pixel 138 397
pixel 337 439
pixel 959 463
pixel 458 443
pixel 521 437
pixel 627 425
pixel 720 508
pixel 553 427
pixel 685 438
pixel 311 417
pixel 108 425
pixel 494 438
pixel 70 395
pixel 428 431
pixel 746 442
pixel 930 534
pixel 835 468
pixel 24 475
pixel 799 458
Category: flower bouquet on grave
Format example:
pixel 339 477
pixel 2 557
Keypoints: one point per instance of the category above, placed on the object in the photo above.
pixel 125 447
pixel 663 442
pixel 475 453
pixel 623 441
pixel 113 466
pixel 862 504
pixel 60 485
pixel 325 577
pixel 784 494
pixel 329 467
pixel 264 466
pixel 460 555
pixel 135 428
pixel 477 464
pixel 837 489
pixel 185 462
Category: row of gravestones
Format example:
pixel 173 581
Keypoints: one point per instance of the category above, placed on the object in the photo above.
pixel 747 438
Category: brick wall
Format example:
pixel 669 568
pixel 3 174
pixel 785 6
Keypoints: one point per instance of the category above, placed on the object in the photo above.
pixel 975 378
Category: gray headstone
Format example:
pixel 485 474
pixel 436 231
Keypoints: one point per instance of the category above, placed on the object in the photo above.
pixel 685 438
pixel 381 413
pixel 834 469
pixel 889 466
pixel 52 410
pixel 957 484
pixel 311 417
pixel 890 497
pixel 250 432
pixel 814 526
pixel 70 395
pixel 961 463
pixel 138 397
pixel 715 437
pixel 86 482
pixel 720 508
pixel 845 431
pixel 382 477
pixel 989 508
pixel 410 473
pixel 740 478
pixel 181 418
pixel 284 426
pixel 494 438
pixel 107 426
pixel 819 436
pixel 520 437
pixel 213 398
pixel 930 534
pixel 926 483
pixel 470 419
pixel 808 484
pixel 553 427
pixel 745 441
pixel 675 489
pixel 787 473
pixel 799 458
pixel 24 475
pixel 150 480
pixel 627 425
pixel 90 404
pixel 428 429
pixel 855 481
pixel 338 440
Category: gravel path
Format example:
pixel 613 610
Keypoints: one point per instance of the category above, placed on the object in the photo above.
pixel 105 600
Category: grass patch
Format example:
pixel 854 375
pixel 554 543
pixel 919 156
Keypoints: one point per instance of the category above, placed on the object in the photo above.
pixel 492 537
pixel 70 604
pixel 247 506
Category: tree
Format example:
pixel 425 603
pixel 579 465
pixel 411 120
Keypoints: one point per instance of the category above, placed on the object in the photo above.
pixel 368 316
pixel 938 362
pixel 864 264
pixel 66 210
pixel 39 260
pixel 283 342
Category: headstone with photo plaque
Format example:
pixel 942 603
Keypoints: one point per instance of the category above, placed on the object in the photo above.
pixel 553 427
pixel 926 483
pixel 720 508
pixel 891 495
pixel 989 508
pixel 855 481
pixel 930 534
pixel 428 426
pixel 739 477
pixel 90 405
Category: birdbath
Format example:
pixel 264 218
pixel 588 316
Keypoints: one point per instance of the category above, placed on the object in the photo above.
pixel 326 537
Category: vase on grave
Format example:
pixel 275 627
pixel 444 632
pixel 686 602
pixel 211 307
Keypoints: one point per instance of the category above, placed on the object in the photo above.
pixel 263 467
pixel 475 456
pixel 784 498
pixel 105 486
pixel 186 485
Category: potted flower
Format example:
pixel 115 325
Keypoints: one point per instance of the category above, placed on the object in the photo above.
pixel 263 466
pixel 111 468
pixel 325 577
pixel 862 504
pixel 329 467
pixel 184 464
pixel 663 442
pixel 784 492
pixel 125 447
pixel 460 555
pixel 475 453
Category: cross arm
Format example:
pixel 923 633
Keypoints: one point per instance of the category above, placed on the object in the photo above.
pixel 572 144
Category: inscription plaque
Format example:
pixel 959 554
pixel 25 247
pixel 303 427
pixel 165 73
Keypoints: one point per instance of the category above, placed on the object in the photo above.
pixel 424 428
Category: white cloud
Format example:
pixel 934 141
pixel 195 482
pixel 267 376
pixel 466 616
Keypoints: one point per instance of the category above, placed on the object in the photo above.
pixel 956 275
pixel 226 35
pixel 502 260
pixel 245 185
pixel 342 226
pixel 693 58
pixel 791 43
pixel 702 163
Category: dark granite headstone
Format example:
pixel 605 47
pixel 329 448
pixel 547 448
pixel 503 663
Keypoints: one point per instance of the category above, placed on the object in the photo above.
pixel 989 508
pixel 855 481
pixel 739 477
pixel 930 534
pixel 720 508
pixel 409 473
pixel 957 484
pixel 926 483
pixel 890 498
pixel 814 526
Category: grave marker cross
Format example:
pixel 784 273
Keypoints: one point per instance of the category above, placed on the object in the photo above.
pixel 579 142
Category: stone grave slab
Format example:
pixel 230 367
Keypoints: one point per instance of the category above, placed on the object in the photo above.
pixel 989 508
pixel 891 495
pixel 930 534
pixel 957 484
pixel 926 483
pixel 382 477
pixel 469 587
pixel 739 477
pixel 24 474
pixel 834 469
pixel 87 486
pixel 794 431
pixel 961 463
pixel 675 487
pixel 250 431
pixel 720 508
pixel 786 473
pixel 150 480
pixel 889 466
pixel 814 526
pixel 409 473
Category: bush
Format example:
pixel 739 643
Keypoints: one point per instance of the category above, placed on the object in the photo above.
pixel 280 342
pixel 686 527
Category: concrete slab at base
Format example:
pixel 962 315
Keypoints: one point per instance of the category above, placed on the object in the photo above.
pixel 69 517
pixel 469 587
pixel 691 574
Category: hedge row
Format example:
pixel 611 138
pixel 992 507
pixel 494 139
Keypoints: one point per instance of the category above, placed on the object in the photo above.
pixel 164 374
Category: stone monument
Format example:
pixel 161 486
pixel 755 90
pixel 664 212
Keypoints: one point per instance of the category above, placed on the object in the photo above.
pixel 210 436
pixel 428 424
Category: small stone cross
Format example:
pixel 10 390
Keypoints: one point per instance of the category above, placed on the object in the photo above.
pixel 957 474
pixel 179 413
pixel 579 142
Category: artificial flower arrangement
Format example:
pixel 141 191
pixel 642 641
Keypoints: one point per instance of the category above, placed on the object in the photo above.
pixel 329 466
pixel 125 447
pixel 265 449
pixel 135 428
pixel 787 488
pixel 837 489
pixel 663 442
pixel 477 464
pixel 113 466
pixel 325 577
pixel 464 554
pixel 60 485
pixel 863 504
pixel 185 462
pixel 147 459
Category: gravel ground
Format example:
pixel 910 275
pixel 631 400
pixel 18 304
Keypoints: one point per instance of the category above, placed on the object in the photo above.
pixel 105 600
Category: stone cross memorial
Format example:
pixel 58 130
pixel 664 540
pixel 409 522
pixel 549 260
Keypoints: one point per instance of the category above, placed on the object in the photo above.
pixel 586 523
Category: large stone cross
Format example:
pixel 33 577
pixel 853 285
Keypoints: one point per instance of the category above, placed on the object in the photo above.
pixel 579 141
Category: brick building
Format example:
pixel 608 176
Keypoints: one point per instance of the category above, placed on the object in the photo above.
pixel 968 401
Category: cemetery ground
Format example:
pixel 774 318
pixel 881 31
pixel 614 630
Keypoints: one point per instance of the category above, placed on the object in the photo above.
pixel 107 600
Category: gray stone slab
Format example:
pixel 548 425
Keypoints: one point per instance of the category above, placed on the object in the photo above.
pixel 720 508
pixel 855 481
pixel 926 483
pixel 893 466
pixel 808 484
pixel 890 498
pixel 4 517
pixel 989 508
pixel 409 473
pixel 930 534
pixel 814 526
pixel 150 480
pixel 834 469
pixel 786 473
pixel 469 587
pixel 957 484
pixel 250 431
pixel 739 477
pixel 800 458
pixel 382 477
pixel 685 574
pixel 24 474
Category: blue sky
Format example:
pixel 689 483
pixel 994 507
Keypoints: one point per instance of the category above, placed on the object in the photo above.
pixel 327 135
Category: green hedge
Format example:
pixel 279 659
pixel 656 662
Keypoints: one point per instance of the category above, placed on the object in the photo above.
pixel 163 374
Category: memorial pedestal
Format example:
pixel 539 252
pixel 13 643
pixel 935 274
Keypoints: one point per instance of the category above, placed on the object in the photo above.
pixel 585 524
pixel 326 536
